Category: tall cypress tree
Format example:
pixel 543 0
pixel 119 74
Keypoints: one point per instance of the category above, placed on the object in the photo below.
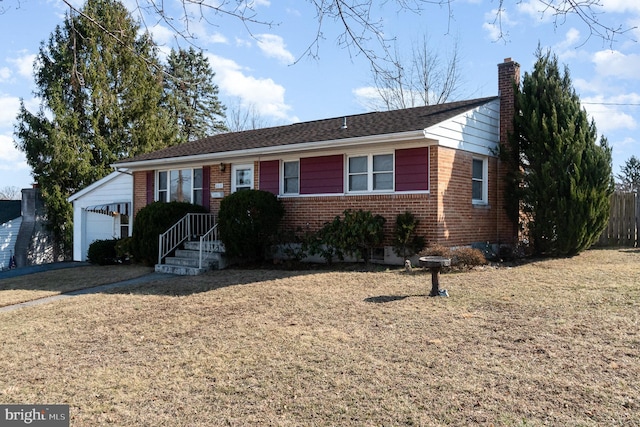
pixel 101 91
pixel 563 176
pixel 192 95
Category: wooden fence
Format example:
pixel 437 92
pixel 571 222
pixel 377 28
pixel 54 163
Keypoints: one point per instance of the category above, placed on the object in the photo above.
pixel 624 221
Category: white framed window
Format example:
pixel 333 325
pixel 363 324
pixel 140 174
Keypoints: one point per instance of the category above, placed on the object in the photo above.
pixel 479 179
pixel 372 172
pixel 241 177
pixel 198 187
pixel 122 224
pixel 180 185
pixel 291 177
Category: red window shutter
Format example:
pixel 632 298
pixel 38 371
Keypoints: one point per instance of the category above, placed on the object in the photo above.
pixel 269 176
pixel 322 175
pixel 150 186
pixel 412 169
pixel 206 186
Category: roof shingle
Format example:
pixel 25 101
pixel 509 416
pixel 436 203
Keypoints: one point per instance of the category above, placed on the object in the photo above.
pixel 359 125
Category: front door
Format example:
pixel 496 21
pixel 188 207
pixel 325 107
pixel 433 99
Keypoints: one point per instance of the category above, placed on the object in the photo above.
pixel 241 177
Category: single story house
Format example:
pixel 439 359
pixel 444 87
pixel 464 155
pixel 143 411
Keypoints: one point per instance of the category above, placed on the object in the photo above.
pixel 101 211
pixel 439 162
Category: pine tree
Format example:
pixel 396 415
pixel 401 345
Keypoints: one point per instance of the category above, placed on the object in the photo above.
pixel 101 95
pixel 564 178
pixel 630 175
pixel 193 97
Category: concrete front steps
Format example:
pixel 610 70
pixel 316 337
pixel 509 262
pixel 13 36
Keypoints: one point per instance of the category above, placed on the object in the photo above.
pixel 185 261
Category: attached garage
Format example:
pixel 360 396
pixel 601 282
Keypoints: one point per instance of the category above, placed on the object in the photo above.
pixel 101 211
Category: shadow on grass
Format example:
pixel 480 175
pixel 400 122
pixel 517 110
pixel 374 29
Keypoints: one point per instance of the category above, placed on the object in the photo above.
pixel 179 286
pixel 44 284
pixel 381 299
pixel 241 274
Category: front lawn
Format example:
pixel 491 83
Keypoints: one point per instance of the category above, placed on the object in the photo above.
pixel 552 342
pixel 30 287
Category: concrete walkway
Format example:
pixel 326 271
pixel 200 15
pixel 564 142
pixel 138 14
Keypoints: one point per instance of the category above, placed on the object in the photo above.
pixel 22 271
pixel 93 290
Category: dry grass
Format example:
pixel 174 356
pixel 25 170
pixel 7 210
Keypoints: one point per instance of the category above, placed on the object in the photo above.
pixel 554 342
pixel 26 288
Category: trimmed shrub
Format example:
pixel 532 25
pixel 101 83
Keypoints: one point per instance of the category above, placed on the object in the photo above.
pixel 463 257
pixel 405 242
pixel 153 220
pixel 362 232
pixel 103 252
pixel 437 250
pixel 248 223
pixel 326 241
pixel 468 257
pixel 357 234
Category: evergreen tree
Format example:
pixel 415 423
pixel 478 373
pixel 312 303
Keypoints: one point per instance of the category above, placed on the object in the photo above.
pixel 101 100
pixel 192 95
pixel 630 175
pixel 563 177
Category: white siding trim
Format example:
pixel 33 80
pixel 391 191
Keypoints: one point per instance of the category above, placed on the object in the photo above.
pixel 475 131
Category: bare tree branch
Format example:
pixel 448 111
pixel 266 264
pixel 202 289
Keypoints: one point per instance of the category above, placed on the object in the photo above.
pixel 240 118
pixel 425 79
pixel 588 11
pixel 10 193
pixel 360 32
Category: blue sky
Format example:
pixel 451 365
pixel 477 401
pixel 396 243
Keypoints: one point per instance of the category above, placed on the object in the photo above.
pixel 265 67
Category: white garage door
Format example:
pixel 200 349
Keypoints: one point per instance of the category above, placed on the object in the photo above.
pixel 98 227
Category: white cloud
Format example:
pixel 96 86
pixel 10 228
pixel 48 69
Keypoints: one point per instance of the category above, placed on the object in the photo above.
pixel 264 94
pixel 24 64
pixel 497 24
pixel 5 73
pixel 161 34
pixel 273 46
pixel 634 23
pixel 539 11
pixel 626 142
pixel 9 106
pixel 612 63
pixel 218 38
pixel 535 10
pixel 608 112
pixel 566 48
pixel 620 6
pixel 242 42
pixel 10 157
pixel 367 96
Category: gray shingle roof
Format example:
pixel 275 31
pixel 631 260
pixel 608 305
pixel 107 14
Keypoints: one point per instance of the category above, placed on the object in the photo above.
pixel 359 125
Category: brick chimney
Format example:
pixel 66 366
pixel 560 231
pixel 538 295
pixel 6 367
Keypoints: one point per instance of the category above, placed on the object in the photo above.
pixel 508 75
pixel 508 80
